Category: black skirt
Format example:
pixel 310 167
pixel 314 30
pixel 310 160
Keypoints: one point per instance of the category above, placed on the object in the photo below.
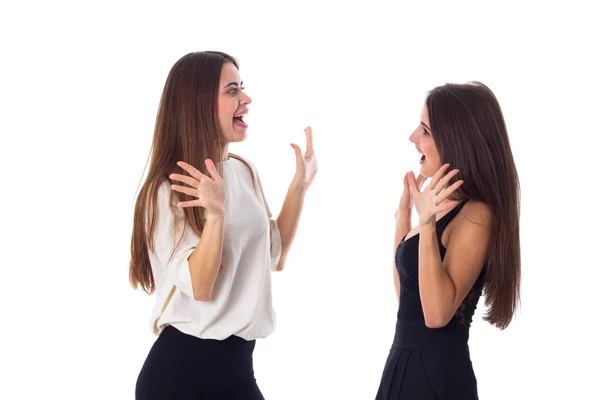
pixel 428 364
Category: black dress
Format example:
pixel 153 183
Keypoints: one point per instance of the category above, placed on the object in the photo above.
pixel 427 363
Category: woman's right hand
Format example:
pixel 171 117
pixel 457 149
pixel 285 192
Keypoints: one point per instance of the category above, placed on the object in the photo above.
pixel 209 192
pixel 406 200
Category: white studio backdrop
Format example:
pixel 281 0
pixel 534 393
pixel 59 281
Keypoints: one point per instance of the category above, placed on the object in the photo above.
pixel 80 85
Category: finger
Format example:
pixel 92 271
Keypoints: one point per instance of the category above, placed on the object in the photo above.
pixel 184 189
pixel 191 203
pixel 406 186
pixel 185 179
pixel 444 181
pixel 212 169
pixel 309 140
pixel 412 182
pixel 420 180
pixel 192 171
pixel 438 175
pixel 298 153
pixel 447 206
pixel 449 191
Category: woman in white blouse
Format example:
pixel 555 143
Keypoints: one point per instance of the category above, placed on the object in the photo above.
pixel 205 241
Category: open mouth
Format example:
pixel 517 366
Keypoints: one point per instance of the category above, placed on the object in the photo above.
pixel 239 120
pixel 423 157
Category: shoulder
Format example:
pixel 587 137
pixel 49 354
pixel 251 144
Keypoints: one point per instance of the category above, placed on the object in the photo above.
pixel 472 224
pixel 476 212
pixel 165 202
pixel 243 160
pixel 469 237
pixel 242 163
pixel 163 195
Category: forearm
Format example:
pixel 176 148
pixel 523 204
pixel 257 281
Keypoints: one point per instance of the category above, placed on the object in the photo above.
pixel 402 229
pixel 205 261
pixel 289 218
pixel 403 219
pixel 435 287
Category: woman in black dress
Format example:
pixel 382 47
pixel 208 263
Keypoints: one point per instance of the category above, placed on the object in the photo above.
pixel 466 244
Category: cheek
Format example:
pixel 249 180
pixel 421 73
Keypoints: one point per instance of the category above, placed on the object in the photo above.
pixel 430 149
pixel 225 109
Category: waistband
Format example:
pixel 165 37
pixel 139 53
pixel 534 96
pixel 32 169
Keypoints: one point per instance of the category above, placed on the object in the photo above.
pixel 231 345
pixel 417 336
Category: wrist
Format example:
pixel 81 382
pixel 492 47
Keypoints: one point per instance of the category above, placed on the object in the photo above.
pixel 426 227
pixel 403 215
pixel 215 216
pixel 298 187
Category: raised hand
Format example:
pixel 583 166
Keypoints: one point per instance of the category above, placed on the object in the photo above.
pixel 430 201
pixel 209 192
pixel 406 200
pixel 306 165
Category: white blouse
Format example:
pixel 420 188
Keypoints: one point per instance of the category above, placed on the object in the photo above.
pixel 241 302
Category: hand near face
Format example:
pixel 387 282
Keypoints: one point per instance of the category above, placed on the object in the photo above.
pixel 430 201
pixel 209 192
pixel 406 200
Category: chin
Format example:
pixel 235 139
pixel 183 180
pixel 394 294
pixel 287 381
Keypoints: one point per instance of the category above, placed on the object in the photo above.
pixel 427 171
pixel 241 138
pixel 235 137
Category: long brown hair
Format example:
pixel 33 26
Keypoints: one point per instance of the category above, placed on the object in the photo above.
pixel 470 134
pixel 187 129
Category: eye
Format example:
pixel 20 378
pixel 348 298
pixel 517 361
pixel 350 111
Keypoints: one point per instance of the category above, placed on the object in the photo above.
pixel 234 91
pixel 425 132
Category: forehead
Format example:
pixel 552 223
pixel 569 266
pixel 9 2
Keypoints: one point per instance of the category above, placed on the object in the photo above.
pixel 425 115
pixel 229 73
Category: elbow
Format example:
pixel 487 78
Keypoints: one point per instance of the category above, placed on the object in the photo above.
pixel 435 320
pixel 202 294
pixel 279 266
pixel 280 263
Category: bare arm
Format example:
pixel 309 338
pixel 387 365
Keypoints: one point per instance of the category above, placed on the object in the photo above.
pixel 443 286
pixel 289 217
pixel 205 260
pixel 288 220
pixel 402 228
pixel 403 223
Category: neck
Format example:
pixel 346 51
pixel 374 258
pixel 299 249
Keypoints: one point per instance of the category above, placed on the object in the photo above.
pixel 226 152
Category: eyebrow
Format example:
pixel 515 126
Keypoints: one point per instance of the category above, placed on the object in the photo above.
pixel 233 84
pixel 425 126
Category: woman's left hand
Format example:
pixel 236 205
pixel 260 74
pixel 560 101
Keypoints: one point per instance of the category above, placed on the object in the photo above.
pixel 306 165
pixel 430 201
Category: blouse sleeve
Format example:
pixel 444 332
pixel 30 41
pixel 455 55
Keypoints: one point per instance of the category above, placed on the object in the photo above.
pixel 170 247
pixel 276 247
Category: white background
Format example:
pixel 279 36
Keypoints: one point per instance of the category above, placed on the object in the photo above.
pixel 80 85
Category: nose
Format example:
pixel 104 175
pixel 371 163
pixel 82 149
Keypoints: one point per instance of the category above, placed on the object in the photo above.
pixel 414 136
pixel 246 99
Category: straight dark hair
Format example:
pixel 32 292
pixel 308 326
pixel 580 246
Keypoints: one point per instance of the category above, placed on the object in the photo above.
pixel 470 134
pixel 187 129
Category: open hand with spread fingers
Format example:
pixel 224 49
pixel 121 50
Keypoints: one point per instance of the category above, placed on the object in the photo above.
pixel 209 192
pixel 430 201
pixel 306 165
pixel 406 200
